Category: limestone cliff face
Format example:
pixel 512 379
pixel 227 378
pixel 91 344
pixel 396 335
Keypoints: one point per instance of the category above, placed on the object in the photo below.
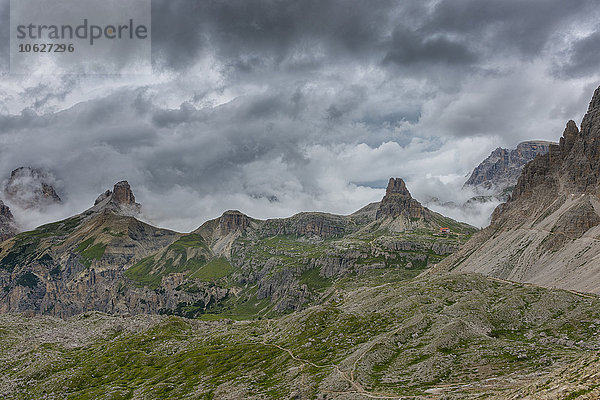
pixel 500 171
pixel 7 223
pixel 398 202
pixel 233 221
pixel 548 232
pixel 318 225
pixel 122 193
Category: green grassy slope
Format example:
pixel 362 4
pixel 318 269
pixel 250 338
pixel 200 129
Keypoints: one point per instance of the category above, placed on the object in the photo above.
pixel 189 254
pixel 460 336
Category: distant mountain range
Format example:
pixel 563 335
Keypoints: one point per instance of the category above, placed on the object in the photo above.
pixel 104 259
pixel 490 183
pixel 492 180
pixel 497 175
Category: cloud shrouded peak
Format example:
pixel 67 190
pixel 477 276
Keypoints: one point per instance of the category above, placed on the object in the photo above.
pixel 31 187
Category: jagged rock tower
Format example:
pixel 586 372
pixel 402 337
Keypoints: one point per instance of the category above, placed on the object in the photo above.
pixel 548 233
pixel 398 201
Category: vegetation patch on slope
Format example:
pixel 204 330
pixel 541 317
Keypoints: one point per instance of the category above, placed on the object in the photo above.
pixel 89 251
pixel 140 273
pixel 28 279
pixel 215 269
pixel 189 254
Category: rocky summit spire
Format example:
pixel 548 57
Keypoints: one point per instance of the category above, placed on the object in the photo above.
pixel 570 136
pixel 122 193
pixel 573 166
pixel 396 186
pixel 398 201
pixel 590 132
pixel 594 106
pixel 121 198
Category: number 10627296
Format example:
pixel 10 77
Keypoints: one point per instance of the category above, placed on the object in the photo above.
pixel 46 48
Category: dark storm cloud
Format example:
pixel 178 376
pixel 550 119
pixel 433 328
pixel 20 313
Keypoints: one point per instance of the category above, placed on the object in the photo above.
pixel 583 57
pixel 273 106
pixel 408 48
pixel 254 35
pixel 251 34
pixel 173 146
pixel 507 25
pixel 262 107
pixel 177 27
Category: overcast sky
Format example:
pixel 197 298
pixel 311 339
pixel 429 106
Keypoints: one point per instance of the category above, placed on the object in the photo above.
pixel 274 107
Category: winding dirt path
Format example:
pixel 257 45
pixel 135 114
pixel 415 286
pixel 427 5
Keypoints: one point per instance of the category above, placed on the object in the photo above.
pixel 358 389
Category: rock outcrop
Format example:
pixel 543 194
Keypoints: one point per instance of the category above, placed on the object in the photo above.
pixel 547 233
pixel 319 225
pixel 120 199
pixel 233 221
pixel 122 193
pixel 398 202
pixel 499 172
pixel 102 197
pixel 31 188
pixel 8 227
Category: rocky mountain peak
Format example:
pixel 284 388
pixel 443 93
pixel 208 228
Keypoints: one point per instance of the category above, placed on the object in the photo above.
pixel 31 187
pixel 122 193
pixel 572 166
pixel 590 125
pixel 499 172
pixel 570 136
pixel 233 220
pixel 542 234
pixel 397 186
pixel 121 199
pixel 398 201
pixel 102 197
pixel 594 106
